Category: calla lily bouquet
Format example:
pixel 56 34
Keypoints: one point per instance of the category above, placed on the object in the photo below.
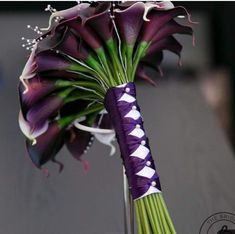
pixel 78 83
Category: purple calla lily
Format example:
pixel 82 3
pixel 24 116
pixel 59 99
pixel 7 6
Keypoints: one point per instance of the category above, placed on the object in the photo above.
pixel 37 89
pixel 50 60
pixel 157 19
pixel 100 18
pixel 44 110
pixel 129 22
pixel 47 145
pixel 78 142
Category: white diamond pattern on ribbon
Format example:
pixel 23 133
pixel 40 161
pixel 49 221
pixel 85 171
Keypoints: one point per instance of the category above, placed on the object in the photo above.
pixel 134 114
pixel 140 152
pixel 137 132
pixel 147 172
pixel 127 98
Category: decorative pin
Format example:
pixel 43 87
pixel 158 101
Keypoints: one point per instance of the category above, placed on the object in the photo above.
pixel 127 90
pixel 143 142
pixel 137 126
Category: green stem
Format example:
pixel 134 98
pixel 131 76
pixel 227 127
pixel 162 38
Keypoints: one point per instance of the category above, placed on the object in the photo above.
pixel 64 122
pixel 138 55
pixel 102 57
pixel 163 220
pixel 155 207
pixel 138 218
pixel 129 54
pixel 113 51
pixel 168 218
pixel 145 218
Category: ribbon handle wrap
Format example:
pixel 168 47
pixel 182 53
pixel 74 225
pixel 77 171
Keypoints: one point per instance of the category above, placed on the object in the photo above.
pixel 124 112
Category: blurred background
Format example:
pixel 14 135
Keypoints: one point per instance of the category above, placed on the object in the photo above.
pixel 189 117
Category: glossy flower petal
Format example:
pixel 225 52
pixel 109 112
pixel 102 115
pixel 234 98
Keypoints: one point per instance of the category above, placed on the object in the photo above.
pixel 157 19
pixel 72 12
pixel 37 89
pixel 129 22
pixel 50 60
pixel 47 145
pixel 167 43
pixel 30 132
pixel 78 142
pixel 101 17
pixel 43 110
pixel 172 27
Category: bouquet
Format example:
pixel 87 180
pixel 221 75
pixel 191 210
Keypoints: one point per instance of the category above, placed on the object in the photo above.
pixel 78 84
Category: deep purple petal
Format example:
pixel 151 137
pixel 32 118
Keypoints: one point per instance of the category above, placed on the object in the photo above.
pixel 47 145
pixel 129 22
pixel 37 89
pixel 55 74
pixel 170 28
pixel 50 60
pixel 44 110
pixel 71 45
pixel 141 73
pixel 100 22
pixel 50 40
pixel 77 142
pixel 84 32
pixel 157 19
pixel 167 43
pixel 153 59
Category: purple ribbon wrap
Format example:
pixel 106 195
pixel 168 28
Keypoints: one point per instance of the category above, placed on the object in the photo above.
pixel 124 111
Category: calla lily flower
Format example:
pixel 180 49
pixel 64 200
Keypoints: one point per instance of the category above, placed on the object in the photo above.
pixel 47 145
pixel 83 52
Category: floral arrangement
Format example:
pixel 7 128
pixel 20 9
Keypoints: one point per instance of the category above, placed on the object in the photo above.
pixel 78 83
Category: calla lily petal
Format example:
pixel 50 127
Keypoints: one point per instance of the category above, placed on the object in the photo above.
pixel 44 110
pixel 129 22
pixel 141 73
pixel 50 60
pixel 28 131
pixel 37 89
pixel 84 32
pixel 78 142
pixel 68 13
pixel 47 145
pixel 157 19
pixel 167 43
pixel 172 27
pixel 100 18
